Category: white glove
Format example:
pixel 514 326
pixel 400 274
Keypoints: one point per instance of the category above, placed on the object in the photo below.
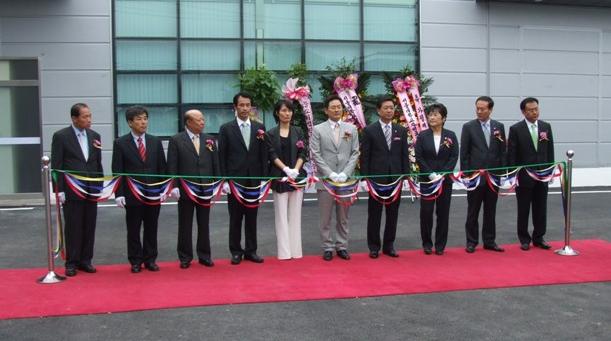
pixel 175 193
pixel 342 177
pixel 334 177
pixel 363 186
pixel 287 171
pixel 432 176
pixel 62 197
pixel 120 201
pixel 406 186
pixel 226 189
pixel 294 173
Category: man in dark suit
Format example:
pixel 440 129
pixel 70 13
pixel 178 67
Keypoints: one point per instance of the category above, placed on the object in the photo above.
pixel 483 145
pixel 193 153
pixel 243 153
pixel 384 150
pixel 78 148
pixel 139 153
pixel 531 142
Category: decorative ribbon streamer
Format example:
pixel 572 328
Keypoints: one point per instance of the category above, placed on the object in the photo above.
pixel 261 191
pixel 434 188
pixel 394 188
pixel 467 182
pixel 138 188
pixel 302 95
pixel 81 189
pixel 415 93
pixel 507 181
pixel 192 188
pixel 60 246
pixel 342 191
pixel 345 88
pixel 545 175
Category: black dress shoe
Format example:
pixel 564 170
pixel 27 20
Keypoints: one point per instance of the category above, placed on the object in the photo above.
pixel 88 268
pixel 494 247
pixel 327 255
pixel 428 250
pixel 253 258
pixel 343 254
pixel 525 246
pixel 543 245
pixel 391 253
pixel 236 259
pixel 206 262
pixel 151 266
pixel 136 268
pixel 185 265
pixel 70 272
pixel 439 252
pixel 470 248
pixel 374 254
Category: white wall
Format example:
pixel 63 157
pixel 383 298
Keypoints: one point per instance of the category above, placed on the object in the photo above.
pixel 73 40
pixel 559 54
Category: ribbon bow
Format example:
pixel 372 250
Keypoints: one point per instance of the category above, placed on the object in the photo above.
pixel 402 85
pixel 293 92
pixel 347 83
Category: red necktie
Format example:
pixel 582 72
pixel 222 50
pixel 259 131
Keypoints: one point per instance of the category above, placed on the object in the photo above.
pixel 141 149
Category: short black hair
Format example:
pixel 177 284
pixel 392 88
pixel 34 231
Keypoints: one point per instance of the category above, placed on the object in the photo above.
pixel 526 101
pixel 383 99
pixel 487 100
pixel 75 111
pixel 282 102
pixel 437 107
pixel 242 94
pixel 332 98
pixel 134 111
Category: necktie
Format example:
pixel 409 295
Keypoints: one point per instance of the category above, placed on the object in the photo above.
pixel 387 134
pixel 487 133
pixel 196 143
pixel 533 135
pixel 336 133
pixel 246 134
pixel 141 149
pixel 82 140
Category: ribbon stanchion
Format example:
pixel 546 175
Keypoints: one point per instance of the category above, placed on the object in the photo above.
pixel 567 250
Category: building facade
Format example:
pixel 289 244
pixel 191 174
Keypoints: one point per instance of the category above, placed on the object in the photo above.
pixel 172 55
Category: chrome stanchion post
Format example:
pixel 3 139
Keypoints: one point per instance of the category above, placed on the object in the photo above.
pixel 567 250
pixel 51 276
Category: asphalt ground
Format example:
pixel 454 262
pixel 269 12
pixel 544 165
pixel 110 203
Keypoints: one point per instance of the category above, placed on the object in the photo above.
pixel 560 312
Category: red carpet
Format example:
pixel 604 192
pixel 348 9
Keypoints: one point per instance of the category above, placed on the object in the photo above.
pixel 115 289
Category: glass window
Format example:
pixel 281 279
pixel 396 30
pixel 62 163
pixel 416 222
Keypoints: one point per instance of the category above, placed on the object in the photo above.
pixel 275 55
pixel 321 55
pixel 332 19
pixel 145 55
pixel 389 57
pixel 145 18
pixel 272 19
pixel 163 121
pixel 390 20
pixel 210 18
pixel 214 116
pixel 210 55
pixel 143 89
pixel 209 88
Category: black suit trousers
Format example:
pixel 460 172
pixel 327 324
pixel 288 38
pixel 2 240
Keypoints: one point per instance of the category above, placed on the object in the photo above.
pixel 186 207
pixel 535 197
pixel 236 212
pixel 374 220
pixel 427 207
pixel 80 217
pixel 147 216
pixel 475 198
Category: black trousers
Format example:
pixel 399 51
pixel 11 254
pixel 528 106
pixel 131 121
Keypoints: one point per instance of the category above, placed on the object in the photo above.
pixel 535 197
pixel 374 220
pixel 79 229
pixel 186 207
pixel 237 212
pixel 147 216
pixel 475 198
pixel 427 207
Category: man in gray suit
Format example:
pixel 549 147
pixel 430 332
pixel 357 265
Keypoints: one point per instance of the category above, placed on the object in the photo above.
pixel 335 149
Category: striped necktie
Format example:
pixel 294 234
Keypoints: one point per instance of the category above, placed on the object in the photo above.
pixel 387 134
pixel 141 149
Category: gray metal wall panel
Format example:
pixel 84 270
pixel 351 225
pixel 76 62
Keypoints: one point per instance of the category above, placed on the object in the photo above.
pixel 606 109
pixel 560 39
pixel 586 154
pixel 452 11
pixel 64 56
pixel 505 61
pixel 575 131
pixel 457 84
pixel 453 59
pixel 504 37
pixel 54 7
pixel 604 154
pixel 60 29
pixel 604 131
pixel 606 41
pixel 606 64
pixel 512 14
pixel 504 84
pixel 77 83
pixel 585 63
pixel 57 110
pixel 460 36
